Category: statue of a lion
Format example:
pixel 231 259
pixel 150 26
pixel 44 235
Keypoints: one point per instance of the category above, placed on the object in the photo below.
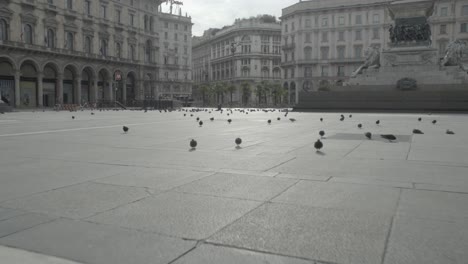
pixel 372 61
pixel 453 53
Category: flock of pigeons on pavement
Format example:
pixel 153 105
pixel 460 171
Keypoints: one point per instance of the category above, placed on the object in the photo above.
pixel 318 145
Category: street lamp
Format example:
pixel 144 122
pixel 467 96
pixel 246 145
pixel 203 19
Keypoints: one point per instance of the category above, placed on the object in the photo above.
pixel 234 46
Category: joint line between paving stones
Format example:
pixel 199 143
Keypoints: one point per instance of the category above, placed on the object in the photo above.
pixel 46 222
pixel 267 252
pixel 184 254
pixel 282 163
pixel 353 149
pixel 392 223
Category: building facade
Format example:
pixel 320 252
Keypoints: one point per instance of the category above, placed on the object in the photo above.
pixel 249 51
pixel 78 52
pixel 176 56
pixel 324 41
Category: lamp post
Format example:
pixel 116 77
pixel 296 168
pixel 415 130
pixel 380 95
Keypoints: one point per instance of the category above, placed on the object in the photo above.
pixel 234 46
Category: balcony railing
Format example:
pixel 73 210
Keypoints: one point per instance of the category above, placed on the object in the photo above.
pixel 289 46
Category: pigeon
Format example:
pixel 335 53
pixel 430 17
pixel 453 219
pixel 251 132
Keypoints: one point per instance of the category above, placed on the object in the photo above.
pixel 73 117
pixel 368 135
pixel 269 121
pixel 388 137
pixel 350 116
pixel 200 123
pixel 279 118
pixel 342 118
pixel 191 115
pixel 417 131
pixel 229 121
pixel 212 119
pixel 434 122
pixel 185 114
pixel 238 141
pixel 359 125
pixel 198 119
pixel 377 122
pixel 92 113
pixel 419 119
pixel 292 119
pixel 318 145
pixel 321 119
pixel 322 133
pixel 449 132
pixel 125 129
pixel 193 143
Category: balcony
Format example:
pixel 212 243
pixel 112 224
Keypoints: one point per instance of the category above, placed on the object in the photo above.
pixel 28 3
pixel 289 46
pixel 88 18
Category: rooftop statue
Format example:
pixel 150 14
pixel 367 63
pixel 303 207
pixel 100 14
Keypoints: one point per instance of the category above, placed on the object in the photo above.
pixel 372 61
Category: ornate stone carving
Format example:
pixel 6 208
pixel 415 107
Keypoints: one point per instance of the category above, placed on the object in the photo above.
pixel 372 61
pixel 406 84
pixel 410 32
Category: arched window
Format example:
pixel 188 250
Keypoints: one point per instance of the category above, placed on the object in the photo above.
pixel 245 72
pixel 146 22
pixel 103 48
pixel 50 38
pixel 151 24
pixel 265 72
pixel 3 30
pixel 308 53
pixel 118 50
pixel 69 41
pixel 70 4
pixel 28 34
pixel 277 73
pixel 88 44
pixel 148 51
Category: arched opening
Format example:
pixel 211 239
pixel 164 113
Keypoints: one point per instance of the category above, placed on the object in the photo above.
pixel 245 71
pixel 88 45
pixel 118 50
pixel 86 81
pixel 7 82
pixel 265 73
pixel 149 46
pixel 151 24
pixel 103 85
pixel 69 76
pixel 146 22
pixel 49 85
pixel 69 41
pixel 28 85
pixel 118 86
pixel 277 73
pixel 28 34
pixel 307 86
pixel 130 86
pixel 104 47
pixel 292 94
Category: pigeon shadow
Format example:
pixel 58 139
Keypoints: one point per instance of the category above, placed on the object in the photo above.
pixel 192 149
pixel 238 147
pixel 320 153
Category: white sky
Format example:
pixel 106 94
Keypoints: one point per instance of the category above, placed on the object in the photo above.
pixel 218 13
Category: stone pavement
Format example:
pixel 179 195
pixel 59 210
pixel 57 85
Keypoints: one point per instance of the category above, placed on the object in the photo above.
pixel 82 190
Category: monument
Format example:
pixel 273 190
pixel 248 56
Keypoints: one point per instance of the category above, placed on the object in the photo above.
pixel 407 75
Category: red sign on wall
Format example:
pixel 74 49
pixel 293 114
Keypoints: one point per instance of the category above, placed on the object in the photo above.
pixel 118 76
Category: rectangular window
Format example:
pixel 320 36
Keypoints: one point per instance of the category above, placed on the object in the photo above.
pixel 308 23
pixel 358 19
pixel 358 52
pixel 176 26
pixel 324 21
pixel 118 15
pixel 166 24
pixel 307 71
pixel 465 10
pixel 463 28
pixel 324 36
pixel 87 7
pixel 292 26
pixel 308 38
pixel 132 20
pixel 341 71
pixel 375 33
pixel 443 29
pixel 358 35
pixel 69 4
pixel 185 38
pixel 443 11
pixel 341 36
pixel 324 53
pixel 176 37
pixel 166 35
pixel 103 11
pixel 442 47
pixel 185 28
pixel 341 52
pixel 285 27
pixel 341 20
pixel 376 19
pixel 324 71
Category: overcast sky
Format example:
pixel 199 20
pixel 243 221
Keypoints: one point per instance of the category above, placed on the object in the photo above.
pixel 218 13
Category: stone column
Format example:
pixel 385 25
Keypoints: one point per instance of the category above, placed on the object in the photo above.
pixel 77 90
pixel 93 90
pixel 59 95
pixel 124 89
pixel 141 89
pixel 17 88
pixel 40 89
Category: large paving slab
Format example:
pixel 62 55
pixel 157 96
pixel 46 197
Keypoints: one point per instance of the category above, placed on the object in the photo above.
pixel 97 244
pixel 238 186
pixel 342 196
pixel 79 201
pixel 14 255
pixel 335 235
pixel 22 222
pixel 178 214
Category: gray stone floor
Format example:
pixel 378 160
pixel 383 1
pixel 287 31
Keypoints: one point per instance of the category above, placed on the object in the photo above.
pixel 83 191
